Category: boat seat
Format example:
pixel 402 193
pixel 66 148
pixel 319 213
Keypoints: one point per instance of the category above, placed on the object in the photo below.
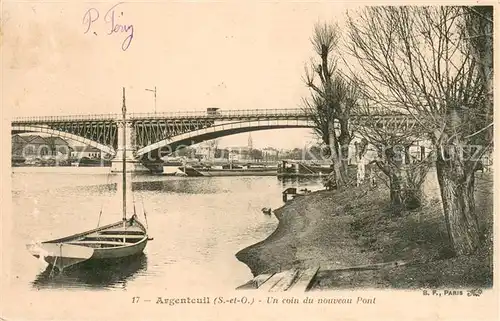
pixel 99 242
pixel 122 231
pixel 122 228
pixel 115 236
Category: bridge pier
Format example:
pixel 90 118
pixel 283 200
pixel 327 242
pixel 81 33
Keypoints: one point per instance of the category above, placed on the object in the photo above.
pixel 133 165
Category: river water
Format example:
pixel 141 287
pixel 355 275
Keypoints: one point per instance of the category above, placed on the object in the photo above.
pixel 198 225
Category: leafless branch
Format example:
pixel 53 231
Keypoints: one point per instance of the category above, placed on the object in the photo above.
pixel 415 57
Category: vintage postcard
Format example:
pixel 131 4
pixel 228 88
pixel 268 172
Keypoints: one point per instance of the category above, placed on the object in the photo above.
pixel 253 160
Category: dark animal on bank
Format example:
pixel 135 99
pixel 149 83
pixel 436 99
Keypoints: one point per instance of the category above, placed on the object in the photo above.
pixel 266 210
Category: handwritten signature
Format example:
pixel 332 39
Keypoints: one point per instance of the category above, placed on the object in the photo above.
pixel 111 17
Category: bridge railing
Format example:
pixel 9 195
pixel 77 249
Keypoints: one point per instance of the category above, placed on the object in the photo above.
pixel 90 117
pixel 180 114
pixel 168 115
pixel 264 112
pixel 292 112
pixel 221 113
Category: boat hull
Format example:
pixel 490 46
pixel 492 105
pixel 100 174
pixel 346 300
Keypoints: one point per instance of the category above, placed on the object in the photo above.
pixel 97 244
pixel 60 255
pixel 239 172
pixel 196 172
pixel 293 175
pixel 120 252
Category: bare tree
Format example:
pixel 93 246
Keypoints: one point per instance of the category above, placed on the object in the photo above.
pixel 418 59
pixel 478 32
pixel 332 98
pixel 392 135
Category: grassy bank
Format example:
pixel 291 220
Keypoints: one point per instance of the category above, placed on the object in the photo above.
pixel 353 228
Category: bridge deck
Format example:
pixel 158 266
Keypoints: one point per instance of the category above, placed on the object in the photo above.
pixel 186 115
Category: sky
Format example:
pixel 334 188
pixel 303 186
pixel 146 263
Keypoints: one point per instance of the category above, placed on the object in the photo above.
pixel 59 58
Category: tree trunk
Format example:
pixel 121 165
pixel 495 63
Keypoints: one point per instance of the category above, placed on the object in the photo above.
pixel 414 177
pixel 396 193
pixel 480 27
pixel 395 185
pixel 344 141
pixel 457 192
pixel 407 155
pixel 413 198
pixel 340 179
pixel 359 154
pixel 361 171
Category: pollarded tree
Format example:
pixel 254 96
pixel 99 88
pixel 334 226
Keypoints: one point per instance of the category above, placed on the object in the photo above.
pixel 392 135
pixel 478 32
pixel 420 59
pixel 332 99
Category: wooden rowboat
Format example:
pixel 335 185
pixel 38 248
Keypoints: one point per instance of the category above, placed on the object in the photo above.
pixel 118 240
pixel 122 239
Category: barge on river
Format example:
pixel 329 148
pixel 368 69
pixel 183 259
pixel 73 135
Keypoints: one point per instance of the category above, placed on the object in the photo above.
pixel 228 170
pixel 293 168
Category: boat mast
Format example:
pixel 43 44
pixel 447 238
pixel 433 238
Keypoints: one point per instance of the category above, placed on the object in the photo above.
pixel 124 175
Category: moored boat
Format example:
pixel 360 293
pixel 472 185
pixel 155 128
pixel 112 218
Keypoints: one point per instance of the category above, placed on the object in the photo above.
pixel 193 172
pixel 121 239
pixel 117 240
pixel 293 168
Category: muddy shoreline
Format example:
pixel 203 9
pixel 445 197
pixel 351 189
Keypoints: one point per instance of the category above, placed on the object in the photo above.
pixel 311 231
pixel 337 230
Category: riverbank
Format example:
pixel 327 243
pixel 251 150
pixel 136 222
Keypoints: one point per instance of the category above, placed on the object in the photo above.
pixel 351 228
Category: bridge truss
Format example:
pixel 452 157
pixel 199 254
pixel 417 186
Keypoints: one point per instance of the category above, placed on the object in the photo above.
pixel 147 130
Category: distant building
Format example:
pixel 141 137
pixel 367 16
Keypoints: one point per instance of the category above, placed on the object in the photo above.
pixel 35 146
pixel 239 153
pixel 187 152
pixel 18 144
pixel 58 146
pixel 202 152
pixel 206 150
pixel 270 154
pixel 234 155
pixel 85 151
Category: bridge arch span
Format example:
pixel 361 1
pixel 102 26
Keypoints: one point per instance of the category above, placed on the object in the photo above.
pixel 19 129
pixel 171 144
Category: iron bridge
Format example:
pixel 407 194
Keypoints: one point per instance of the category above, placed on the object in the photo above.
pixel 162 133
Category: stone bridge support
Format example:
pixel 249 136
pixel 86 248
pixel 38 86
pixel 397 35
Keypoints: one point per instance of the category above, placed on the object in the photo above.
pixel 133 164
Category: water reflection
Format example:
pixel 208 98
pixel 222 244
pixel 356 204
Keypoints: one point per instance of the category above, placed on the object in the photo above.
pixel 300 181
pixel 94 274
pixel 198 223
pixel 187 186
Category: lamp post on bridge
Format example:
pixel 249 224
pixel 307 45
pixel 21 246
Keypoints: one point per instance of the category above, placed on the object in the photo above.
pixel 154 91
